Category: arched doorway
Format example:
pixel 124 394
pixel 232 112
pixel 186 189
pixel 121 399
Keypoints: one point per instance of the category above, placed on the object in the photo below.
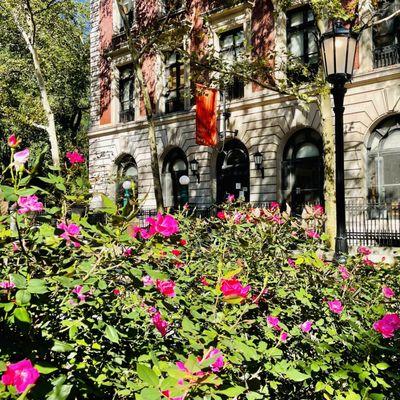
pixel 303 170
pixel 384 162
pixel 127 171
pixel 174 167
pixel 233 171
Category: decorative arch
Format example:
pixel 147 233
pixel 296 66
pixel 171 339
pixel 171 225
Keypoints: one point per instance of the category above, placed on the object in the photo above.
pixel 383 161
pixel 302 169
pixel 233 171
pixel 175 166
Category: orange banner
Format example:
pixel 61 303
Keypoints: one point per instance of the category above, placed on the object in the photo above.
pixel 206 116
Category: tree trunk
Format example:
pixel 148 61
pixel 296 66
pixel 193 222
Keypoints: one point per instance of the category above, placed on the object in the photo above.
pixel 51 126
pixel 155 169
pixel 152 138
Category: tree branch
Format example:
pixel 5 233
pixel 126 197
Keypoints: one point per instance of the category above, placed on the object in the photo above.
pixel 380 21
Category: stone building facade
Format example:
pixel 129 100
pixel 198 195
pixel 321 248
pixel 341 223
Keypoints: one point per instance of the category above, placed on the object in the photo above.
pixel 261 121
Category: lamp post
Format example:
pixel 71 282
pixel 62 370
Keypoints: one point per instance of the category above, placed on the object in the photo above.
pixel 194 167
pixel 258 161
pixel 127 185
pixel 338 48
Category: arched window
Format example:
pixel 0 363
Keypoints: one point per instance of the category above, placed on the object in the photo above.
pixel 303 170
pixel 174 167
pixel 233 171
pixel 127 171
pixel 384 161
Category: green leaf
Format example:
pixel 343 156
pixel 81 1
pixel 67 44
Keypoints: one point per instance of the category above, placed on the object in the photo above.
pixel 22 315
pixel 37 286
pixel 319 386
pixel 109 206
pixel 45 369
pixel 382 366
pixel 295 375
pixel 19 280
pixel 62 347
pixel 111 334
pixel 60 391
pixel 233 391
pixel 147 375
pixel 150 394
pixel 22 297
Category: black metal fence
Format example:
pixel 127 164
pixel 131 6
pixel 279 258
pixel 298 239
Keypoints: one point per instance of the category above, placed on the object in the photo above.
pixel 369 224
pixel 373 224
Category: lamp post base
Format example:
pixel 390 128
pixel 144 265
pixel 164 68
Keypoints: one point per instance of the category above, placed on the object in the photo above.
pixel 341 250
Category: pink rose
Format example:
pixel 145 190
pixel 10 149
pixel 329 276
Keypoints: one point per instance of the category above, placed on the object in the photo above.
pixel 128 252
pixel 276 219
pixel 388 325
pixel 159 323
pixel 29 204
pixel 15 247
pixel 116 292
pixel 233 288
pixel 70 233
pixel 221 215
pixel 7 285
pixel 13 141
pixel 364 250
pixel 291 262
pixel 166 393
pixel 204 281
pixel 284 336
pixel 183 242
pixel 344 272
pixel 237 217
pixel 176 252
pixel 75 158
pixel 147 280
pixel 21 157
pixel 312 234
pixel 167 288
pixel 273 322
pixel 78 290
pixel 166 225
pixel 218 364
pixel 335 306
pixel 230 198
pixel 274 206
pixel 368 262
pixel 318 210
pixel 387 292
pixel 306 326
pixel 20 375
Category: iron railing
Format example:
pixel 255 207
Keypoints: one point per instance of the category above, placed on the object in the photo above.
pixel 386 56
pixel 373 224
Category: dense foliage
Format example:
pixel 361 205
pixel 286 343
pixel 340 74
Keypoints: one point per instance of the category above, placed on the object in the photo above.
pixel 241 305
pixel 62 37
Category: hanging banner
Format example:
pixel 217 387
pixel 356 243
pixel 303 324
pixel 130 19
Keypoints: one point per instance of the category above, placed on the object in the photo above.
pixel 206 116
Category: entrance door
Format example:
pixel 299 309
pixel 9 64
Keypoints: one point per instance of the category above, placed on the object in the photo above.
pixel 175 166
pixel 233 172
pixel 303 170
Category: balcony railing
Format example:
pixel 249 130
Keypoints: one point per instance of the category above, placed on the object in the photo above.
pixel 386 56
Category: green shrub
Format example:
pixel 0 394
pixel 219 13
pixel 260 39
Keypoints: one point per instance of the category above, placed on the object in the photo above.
pixel 241 305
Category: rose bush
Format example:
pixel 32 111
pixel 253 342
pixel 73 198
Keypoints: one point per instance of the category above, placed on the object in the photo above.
pixel 239 306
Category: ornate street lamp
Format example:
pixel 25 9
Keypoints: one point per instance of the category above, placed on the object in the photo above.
pixel 194 167
pixel 127 185
pixel 338 49
pixel 258 161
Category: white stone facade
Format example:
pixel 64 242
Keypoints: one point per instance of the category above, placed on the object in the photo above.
pixel 264 120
